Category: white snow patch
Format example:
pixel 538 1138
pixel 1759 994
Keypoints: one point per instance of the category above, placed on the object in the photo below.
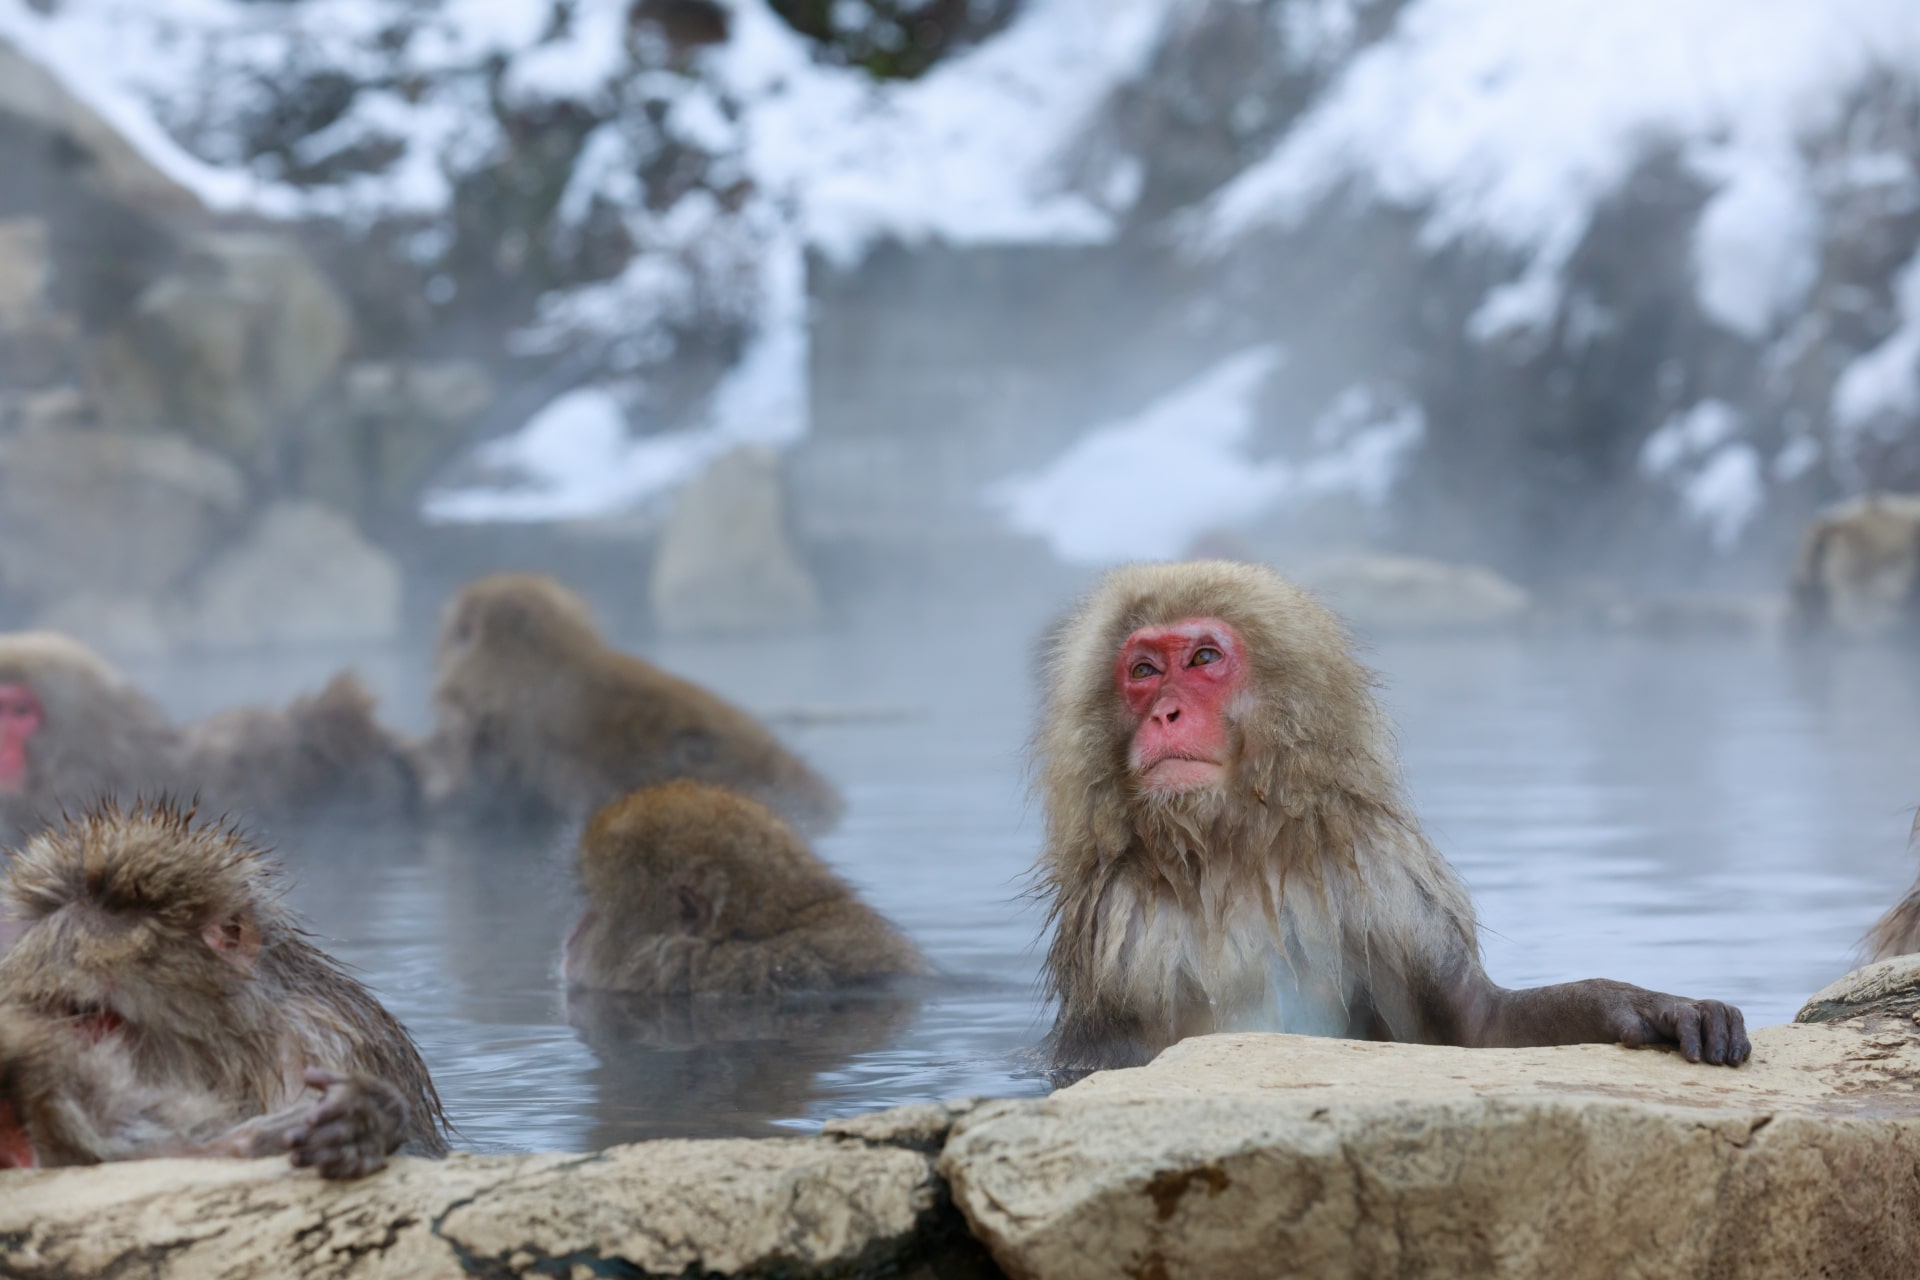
pixel 1883 386
pixel 1146 486
pixel 1689 436
pixel 1510 122
pixel 576 459
pixel 1726 493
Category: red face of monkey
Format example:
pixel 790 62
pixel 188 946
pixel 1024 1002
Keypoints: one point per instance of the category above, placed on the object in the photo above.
pixel 20 719
pixel 1178 682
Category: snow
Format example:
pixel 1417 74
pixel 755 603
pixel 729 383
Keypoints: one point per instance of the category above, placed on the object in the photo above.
pixel 1147 486
pixel 1884 384
pixel 575 460
pixel 1509 123
pixel 1726 493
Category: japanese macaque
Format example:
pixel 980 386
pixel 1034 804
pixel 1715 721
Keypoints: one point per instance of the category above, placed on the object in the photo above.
pixel 536 715
pixel 1898 932
pixel 324 754
pixel 163 1001
pixel 72 731
pixel 1858 575
pixel 694 891
pixel 1228 846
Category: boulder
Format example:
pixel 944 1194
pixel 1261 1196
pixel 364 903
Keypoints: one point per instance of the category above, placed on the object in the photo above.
pixel 1888 988
pixel 726 562
pixel 302 575
pixel 1271 1155
pixel 393 426
pixel 788 1207
pixel 228 347
pixel 25 268
pixel 1404 593
pixel 96 513
pixel 1858 576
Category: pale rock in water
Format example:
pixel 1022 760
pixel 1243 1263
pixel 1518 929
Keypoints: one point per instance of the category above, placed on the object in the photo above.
pixel 303 575
pixel 726 562
pixel 1405 593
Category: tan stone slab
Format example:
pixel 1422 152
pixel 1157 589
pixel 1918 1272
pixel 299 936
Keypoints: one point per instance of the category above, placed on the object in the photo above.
pixel 798 1207
pixel 1284 1155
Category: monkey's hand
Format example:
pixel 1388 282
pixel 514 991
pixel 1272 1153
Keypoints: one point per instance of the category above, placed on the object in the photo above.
pixel 1703 1030
pixel 350 1132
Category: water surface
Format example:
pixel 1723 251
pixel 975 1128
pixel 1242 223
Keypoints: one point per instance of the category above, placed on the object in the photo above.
pixel 1705 819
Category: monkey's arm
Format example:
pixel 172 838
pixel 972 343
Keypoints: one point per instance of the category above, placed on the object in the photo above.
pixel 1083 1042
pixel 349 1132
pixel 1473 1012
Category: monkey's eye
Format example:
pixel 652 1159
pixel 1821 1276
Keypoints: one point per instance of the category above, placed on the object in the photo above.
pixel 1143 670
pixel 1205 655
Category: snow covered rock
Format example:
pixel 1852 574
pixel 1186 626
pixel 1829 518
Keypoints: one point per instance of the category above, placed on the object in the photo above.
pixel 726 561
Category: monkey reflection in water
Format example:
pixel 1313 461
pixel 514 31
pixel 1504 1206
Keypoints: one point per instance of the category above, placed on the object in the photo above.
pixel 1228 846
pixel 162 1001
pixel 720 966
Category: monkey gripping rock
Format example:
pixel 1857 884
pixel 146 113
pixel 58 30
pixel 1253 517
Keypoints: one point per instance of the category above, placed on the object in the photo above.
pixel 1255 1155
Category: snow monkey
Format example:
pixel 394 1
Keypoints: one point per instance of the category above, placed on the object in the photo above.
pixel 536 715
pixel 694 891
pixel 163 1001
pixel 74 731
pixel 1228 846
pixel 1898 932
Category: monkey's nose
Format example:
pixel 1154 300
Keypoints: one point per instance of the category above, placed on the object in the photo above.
pixel 1165 715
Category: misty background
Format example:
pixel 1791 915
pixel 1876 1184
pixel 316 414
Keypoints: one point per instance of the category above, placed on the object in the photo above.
pixel 831 346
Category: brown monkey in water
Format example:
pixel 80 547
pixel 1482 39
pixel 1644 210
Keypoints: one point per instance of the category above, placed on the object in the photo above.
pixel 1228 846
pixel 1897 933
pixel 695 891
pixel 325 754
pixel 536 714
pixel 74 732
pixel 162 1000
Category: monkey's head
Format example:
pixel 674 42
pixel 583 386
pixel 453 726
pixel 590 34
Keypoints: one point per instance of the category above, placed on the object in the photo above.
pixel 56 696
pixel 687 858
pixel 508 616
pixel 1198 690
pixel 146 925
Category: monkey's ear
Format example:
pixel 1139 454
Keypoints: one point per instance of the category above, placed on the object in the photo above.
pixel 235 940
pixel 697 892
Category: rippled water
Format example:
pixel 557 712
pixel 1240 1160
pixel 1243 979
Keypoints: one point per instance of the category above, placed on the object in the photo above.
pixel 1710 820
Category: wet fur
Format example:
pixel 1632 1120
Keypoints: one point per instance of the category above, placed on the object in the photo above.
pixel 115 904
pixel 1897 933
pixel 695 891
pixel 534 712
pixel 1304 897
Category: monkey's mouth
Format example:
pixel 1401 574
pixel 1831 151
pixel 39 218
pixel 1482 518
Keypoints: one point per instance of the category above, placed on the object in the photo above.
pixel 1182 773
pixel 94 1022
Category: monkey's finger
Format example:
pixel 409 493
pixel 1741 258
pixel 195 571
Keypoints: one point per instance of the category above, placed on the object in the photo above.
pixel 1742 1047
pixel 321 1078
pixel 1686 1031
pixel 1718 1033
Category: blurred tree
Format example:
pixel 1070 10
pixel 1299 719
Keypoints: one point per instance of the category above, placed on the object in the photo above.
pixel 894 39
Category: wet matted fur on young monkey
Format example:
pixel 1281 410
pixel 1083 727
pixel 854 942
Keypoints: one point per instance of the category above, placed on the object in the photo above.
pixel 1228 846
pixel 162 1000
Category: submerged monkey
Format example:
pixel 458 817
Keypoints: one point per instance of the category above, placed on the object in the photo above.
pixel 535 715
pixel 163 1001
pixel 1228 846
pixel 694 891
